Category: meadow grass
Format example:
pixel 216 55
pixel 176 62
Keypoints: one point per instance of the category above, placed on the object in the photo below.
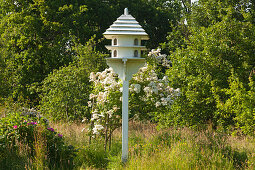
pixel 171 148
pixel 149 148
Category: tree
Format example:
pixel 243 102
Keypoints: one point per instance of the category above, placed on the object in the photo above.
pixel 36 36
pixel 32 43
pixel 65 91
pixel 220 45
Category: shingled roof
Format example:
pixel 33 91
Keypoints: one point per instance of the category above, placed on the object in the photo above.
pixel 126 25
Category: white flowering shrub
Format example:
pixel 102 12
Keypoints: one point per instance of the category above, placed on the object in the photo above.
pixel 156 57
pixel 149 94
pixel 105 104
pixel 149 97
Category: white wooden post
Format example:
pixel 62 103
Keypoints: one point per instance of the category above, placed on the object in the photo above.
pixel 125 121
pixel 125 68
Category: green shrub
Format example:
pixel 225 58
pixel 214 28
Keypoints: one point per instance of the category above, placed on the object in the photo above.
pixel 219 44
pixel 240 103
pixel 33 143
pixel 65 92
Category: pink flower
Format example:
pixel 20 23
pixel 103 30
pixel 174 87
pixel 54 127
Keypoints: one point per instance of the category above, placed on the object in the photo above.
pixel 59 135
pixel 32 123
pixel 51 129
pixel 15 127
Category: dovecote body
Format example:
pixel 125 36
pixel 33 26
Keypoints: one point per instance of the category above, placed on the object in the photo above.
pixel 126 35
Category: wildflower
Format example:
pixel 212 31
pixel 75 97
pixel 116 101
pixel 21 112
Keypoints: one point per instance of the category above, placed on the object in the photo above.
pixel 32 123
pixel 110 70
pixel 59 135
pixel 102 114
pixel 92 76
pixel 91 96
pixel 158 104
pixel 147 90
pixel 160 85
pixel 89 104
pixel 115 108
pixel 143 69
pixel 137 88
pixel 15 127
pixel 165 78
pixel 51 129
pixel 155 89
pixel 177 92
pixel 102 96
pixel 110 112
pixel 158 50
pixel 84 120
pixel 95 116
pixel 107 80
pixel 113 85
pixel 97 128
pixel 102 75
pixel 164 102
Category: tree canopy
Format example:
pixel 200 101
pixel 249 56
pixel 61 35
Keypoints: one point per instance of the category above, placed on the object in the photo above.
pixel 36 36
pixel 213 64
pixel 211 44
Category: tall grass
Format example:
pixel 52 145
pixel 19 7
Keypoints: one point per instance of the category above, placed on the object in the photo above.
pixel 149 148
pixel 171 148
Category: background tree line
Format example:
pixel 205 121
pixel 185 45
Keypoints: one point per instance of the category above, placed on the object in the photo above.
pixel 46 55
pixel 38 36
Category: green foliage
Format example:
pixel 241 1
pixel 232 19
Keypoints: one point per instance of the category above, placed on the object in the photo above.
pixel 36 37
pixel 33 43
pixel 240 103
pixel 156 16
pixel 30 139
pixel 203 64
pixel 65 92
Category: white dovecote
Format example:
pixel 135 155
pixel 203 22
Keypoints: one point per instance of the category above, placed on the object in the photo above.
pixel 126 35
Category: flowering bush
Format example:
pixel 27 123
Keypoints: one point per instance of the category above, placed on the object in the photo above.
pixel 156 58
pixel 31 137
pixel 105 103
pixel 149 96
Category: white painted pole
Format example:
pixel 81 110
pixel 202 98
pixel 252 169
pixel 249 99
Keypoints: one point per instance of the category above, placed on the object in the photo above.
pixel 125 121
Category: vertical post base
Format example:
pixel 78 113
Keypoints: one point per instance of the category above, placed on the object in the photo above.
pixel 125 121
pixel 125 68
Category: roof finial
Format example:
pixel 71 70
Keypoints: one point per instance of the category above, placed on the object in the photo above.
pixel 126 11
